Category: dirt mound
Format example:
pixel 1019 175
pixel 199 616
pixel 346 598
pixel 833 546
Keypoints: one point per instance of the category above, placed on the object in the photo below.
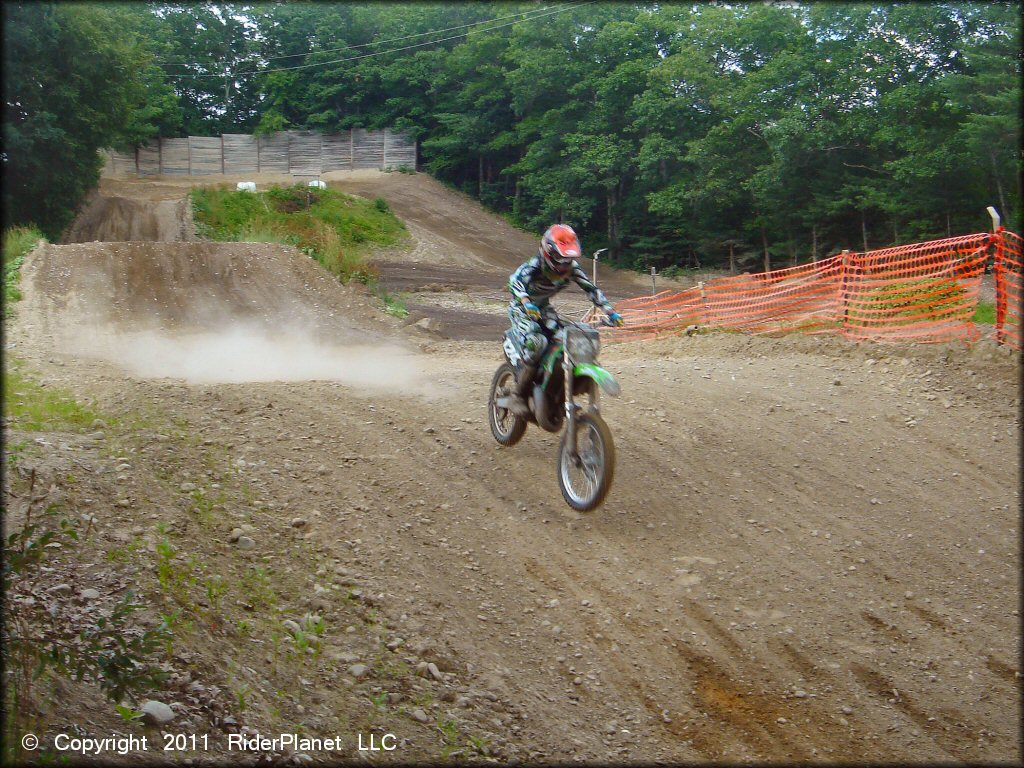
pixel 118 219
pixel 453 230
pixel 209 312
pixel 182 286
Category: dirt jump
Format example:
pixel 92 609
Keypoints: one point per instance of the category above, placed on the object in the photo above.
pixel 811 552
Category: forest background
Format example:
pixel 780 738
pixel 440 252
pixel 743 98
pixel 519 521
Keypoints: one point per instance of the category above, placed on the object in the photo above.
pixel 674 134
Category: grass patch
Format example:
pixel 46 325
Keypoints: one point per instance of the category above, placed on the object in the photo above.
pixel 34 408
pixel 393 305
pixel 985 313
pixel 906 302
pixel 336 229
pixel 18 241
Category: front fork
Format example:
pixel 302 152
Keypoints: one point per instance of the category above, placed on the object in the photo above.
pixel 570 405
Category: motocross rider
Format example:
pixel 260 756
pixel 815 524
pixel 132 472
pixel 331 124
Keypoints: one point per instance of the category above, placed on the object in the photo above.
pixel 532 285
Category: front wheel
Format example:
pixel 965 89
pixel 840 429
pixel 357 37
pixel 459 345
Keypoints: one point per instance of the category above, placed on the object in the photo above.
pixel 507 427
pixel 586 478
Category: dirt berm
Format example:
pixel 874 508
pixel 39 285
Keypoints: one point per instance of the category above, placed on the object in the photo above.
pixel 811 551
pixel 112 218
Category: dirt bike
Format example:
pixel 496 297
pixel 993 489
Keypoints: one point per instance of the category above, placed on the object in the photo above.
pixel 567 371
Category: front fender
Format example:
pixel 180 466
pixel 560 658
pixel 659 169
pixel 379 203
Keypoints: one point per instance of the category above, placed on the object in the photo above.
pixel 604 379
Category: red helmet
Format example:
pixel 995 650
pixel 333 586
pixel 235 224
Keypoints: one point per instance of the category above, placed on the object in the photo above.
pixel 559 248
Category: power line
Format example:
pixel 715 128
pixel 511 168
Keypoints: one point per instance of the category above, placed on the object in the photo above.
pixel 382 53
pixel 382 42
pixel 392 50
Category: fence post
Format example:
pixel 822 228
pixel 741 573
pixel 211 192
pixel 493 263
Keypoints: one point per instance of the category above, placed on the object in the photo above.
pixel 351 149
pixel 703 304
pixel 999 270
pixel 996 226
pixel 597 253
pixel 654 291
pixel 843 294
pixel 222 165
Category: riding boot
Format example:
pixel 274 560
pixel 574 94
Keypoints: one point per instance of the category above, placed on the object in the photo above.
pixel 517 398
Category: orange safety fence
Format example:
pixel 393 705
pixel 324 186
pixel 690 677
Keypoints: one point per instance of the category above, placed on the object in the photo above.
pixel 926 292
pixel 1009 267
pixel 799 298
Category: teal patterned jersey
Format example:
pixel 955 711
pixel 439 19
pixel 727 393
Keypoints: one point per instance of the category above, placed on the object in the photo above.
pixel 532 283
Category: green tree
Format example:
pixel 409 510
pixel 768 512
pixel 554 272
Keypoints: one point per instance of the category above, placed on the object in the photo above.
pixel 988 95
pixel 673 134
pixel 76 80
pixel 208 52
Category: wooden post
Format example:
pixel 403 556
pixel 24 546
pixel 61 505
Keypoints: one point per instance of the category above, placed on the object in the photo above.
pixel 843 280
pixel 999 268
pixel 222 162
pixel 351 149
pixel 703 303
pixel 654 273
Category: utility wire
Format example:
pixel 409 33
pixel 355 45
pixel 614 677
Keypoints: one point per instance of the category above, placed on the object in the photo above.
pixel 382 53
pixel 381 42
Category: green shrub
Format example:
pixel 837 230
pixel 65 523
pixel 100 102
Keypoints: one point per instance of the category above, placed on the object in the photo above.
pixel 672 271
pixel 335 229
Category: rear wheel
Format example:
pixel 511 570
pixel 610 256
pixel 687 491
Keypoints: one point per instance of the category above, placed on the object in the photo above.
pixel 507 427
pixel 586 477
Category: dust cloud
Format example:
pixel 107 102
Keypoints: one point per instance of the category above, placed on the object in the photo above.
pixel 240 353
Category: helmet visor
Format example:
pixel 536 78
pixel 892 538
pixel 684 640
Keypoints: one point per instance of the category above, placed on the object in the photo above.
pixel 566 244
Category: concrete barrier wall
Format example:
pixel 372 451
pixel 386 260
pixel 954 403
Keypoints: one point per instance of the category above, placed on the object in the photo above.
pixel 302 153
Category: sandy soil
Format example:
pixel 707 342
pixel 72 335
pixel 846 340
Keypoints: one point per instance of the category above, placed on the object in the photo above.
pixel 811 551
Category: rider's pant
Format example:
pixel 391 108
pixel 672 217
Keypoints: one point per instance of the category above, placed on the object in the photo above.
pixel 528 335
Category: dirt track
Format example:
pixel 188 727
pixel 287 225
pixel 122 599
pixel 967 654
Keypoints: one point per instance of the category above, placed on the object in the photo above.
pixel 811 551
